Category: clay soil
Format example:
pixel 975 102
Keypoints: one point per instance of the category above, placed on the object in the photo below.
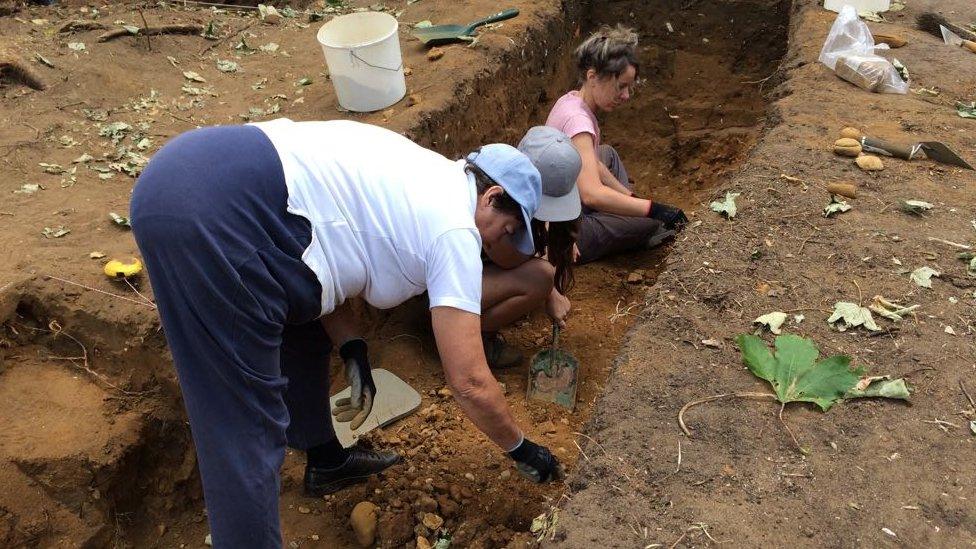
pixel 95 449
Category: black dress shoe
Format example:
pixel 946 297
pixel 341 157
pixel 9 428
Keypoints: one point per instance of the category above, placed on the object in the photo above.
pixel 321 481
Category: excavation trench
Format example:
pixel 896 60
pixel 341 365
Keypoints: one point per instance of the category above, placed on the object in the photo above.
pixel 129 476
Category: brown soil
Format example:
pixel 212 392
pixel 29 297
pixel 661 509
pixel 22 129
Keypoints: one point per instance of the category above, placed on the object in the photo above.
pixel 873 464
pixel 102 457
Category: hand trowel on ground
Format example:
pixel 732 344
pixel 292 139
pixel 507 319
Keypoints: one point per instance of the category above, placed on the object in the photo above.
pixel 553 374
pixel 933 150
pixel 445 34
pixel 954 39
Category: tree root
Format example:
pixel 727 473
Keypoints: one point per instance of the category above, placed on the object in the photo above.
pixel 152 31
pixel 80 25
pixel 747 395
pixel 20 71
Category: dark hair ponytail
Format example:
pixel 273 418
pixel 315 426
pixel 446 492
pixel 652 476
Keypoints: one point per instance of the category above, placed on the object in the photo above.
pixel 556 243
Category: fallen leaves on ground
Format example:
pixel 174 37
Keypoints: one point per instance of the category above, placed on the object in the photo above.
pixel 726 206
pixel 922 276
pixel 851 315
pixel 773 321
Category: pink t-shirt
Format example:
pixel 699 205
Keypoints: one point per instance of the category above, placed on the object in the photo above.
pixel 571 116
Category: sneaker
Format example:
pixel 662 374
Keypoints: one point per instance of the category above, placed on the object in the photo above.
pixel 360 465
pixel 500 354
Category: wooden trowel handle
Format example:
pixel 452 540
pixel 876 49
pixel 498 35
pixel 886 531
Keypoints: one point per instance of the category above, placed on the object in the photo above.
pixel 969 45
pixel 877 146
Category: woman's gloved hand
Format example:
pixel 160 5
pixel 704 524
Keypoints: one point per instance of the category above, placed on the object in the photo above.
pixel 356 408
pixel 670 216
pixel 536 463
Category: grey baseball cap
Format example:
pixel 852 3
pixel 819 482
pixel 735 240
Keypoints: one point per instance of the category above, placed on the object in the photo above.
pixel 553 154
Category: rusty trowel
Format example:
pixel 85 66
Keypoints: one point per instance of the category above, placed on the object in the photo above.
pixel 933 150
pixel 553 374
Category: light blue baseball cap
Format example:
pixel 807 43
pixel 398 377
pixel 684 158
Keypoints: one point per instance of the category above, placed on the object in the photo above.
pixel 515 173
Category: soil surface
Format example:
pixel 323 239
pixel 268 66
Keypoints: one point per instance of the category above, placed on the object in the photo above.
pixel 878 472
pixel 97 450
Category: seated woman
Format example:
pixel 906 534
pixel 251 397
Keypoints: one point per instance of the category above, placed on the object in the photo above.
pixel 513 283
pixel 614 218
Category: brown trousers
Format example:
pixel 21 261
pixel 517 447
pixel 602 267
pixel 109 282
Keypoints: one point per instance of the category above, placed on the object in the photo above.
pixel 603 234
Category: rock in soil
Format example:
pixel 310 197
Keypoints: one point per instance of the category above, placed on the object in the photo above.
pixel 395 529
pixel 363 521
pixel 422 543
pixel 850 133
pixel 432 521
pixel 846 146
pixel 434 54
pixel 869 163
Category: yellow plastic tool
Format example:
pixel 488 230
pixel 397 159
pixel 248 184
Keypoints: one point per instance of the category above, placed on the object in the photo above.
pixel 120 269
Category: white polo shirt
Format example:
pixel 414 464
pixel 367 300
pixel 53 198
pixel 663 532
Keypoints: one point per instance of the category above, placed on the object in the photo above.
pixel 389 218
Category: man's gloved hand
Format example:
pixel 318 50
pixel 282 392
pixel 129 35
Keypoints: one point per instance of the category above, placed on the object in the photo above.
pixel 536 463
pixel 671 216
pixel 357 407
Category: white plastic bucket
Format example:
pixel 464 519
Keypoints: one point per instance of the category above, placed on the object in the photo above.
pixel 362 51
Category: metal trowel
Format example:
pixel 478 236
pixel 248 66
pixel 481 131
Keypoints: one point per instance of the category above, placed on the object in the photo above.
pixel 933 150
pixel 445 34
pixel 554 375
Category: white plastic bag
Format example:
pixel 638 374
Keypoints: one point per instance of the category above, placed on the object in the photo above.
pixel 850 52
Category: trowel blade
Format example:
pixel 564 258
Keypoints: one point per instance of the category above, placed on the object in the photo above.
pixel 950 37
pixel 941 153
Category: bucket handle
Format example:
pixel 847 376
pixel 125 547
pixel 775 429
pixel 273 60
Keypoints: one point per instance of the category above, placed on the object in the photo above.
pixel 352 53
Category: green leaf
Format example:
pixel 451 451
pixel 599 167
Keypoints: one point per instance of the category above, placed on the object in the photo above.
pixel 794 372
pixel 726 206
pixel 757 357
pixel 836 206
pixel 966 111
pixel 120 220
pixel 915 207
pixel 227 66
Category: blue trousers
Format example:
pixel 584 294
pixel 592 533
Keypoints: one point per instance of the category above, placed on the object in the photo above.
pixel 239 309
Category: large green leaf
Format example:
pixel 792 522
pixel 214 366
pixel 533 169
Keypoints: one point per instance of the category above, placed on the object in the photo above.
pixel 794 371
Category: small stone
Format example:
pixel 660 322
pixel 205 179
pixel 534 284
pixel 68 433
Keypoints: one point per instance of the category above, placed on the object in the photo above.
pixel 432 521
pixel 426 504
pixel 304 510
pixel 635 277
pixel 412 99
pixel 846 146
pixel 434 54
pixel 851 133
pixel 363 522
pixel 208 541
pixel 407 71
pixel 315 537
pixel 469 476
pixel 547 427
pixel 422 543
pixel 505 475
pixel 869 163
pixel 713 343
pixel 292 545
pixel 445 392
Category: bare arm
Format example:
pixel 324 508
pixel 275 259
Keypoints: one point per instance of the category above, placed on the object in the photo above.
pixel 594 193
pixel 610 180
pixel 458 335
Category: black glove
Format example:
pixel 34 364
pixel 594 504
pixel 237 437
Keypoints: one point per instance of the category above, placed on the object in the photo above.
pixel 536 462
pixel 669 215
pixel 357 407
